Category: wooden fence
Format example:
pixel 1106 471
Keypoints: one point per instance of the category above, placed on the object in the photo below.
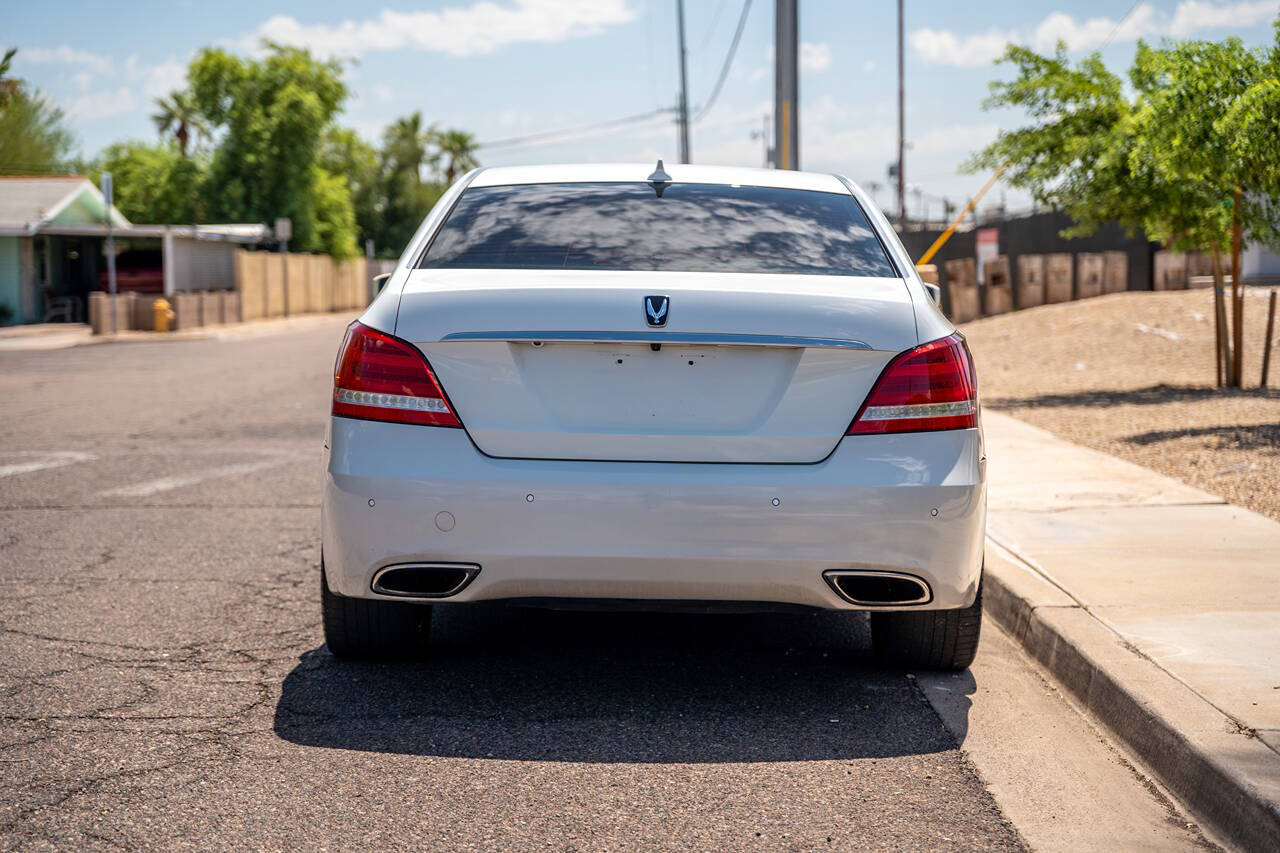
pixel 272 284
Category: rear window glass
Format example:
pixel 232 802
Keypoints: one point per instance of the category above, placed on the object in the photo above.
pixel 626 226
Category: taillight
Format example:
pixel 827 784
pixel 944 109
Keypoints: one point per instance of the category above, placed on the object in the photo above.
pixel 930 387
pixel 381 378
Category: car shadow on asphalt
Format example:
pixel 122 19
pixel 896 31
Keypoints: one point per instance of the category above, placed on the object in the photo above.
pixel 537 685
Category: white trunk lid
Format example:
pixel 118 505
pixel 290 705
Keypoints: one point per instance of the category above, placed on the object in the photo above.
pixel 559 364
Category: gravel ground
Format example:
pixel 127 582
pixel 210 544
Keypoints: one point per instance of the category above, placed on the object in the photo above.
pixel 1132 374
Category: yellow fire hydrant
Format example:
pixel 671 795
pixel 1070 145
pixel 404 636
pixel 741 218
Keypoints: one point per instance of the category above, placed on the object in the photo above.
pixel 164 314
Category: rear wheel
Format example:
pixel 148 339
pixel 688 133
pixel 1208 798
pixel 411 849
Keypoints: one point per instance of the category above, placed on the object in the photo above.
pixel 368 628
pixel 928 639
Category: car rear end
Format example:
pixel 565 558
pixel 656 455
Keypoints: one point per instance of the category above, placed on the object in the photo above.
pixel 725 388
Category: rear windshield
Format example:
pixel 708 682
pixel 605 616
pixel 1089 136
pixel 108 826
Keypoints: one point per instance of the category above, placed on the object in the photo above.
pixel 690 228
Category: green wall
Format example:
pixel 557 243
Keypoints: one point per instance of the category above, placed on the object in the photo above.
pixel 10 279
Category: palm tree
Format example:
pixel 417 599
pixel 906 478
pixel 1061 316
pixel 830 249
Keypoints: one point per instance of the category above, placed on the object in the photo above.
pixel 460 147
pixel 8 85
pixel 178 113
pixel 406 146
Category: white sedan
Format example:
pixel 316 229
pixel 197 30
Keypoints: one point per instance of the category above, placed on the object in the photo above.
pixel 655 388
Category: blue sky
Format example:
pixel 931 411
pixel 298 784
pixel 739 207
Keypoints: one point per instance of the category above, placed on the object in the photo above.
pixel 505 68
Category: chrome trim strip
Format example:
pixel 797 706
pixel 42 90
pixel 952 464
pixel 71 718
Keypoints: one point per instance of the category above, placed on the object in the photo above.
pixel 830 576
pixel 656 337
pixel 470 571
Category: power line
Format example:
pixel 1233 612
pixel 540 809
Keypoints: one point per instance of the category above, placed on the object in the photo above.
pixel 1120 24
pixel 535 138
pixel 728 62
pixel 711 30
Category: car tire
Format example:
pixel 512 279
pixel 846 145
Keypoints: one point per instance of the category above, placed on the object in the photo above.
pixel 368 628
pixel 928 639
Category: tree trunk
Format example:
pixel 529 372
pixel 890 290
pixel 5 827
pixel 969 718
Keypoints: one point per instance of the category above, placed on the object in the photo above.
pixel 1222 348
pixel 1237 296
pixel 183 136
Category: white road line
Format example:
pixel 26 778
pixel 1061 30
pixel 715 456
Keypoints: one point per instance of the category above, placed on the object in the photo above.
pixel 39 460
pixel 165 484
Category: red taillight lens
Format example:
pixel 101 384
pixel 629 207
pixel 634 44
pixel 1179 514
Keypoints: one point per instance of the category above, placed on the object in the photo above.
pixel 930 387
pixel 381 378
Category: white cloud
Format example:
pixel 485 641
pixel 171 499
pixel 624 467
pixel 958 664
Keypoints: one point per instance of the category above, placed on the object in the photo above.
pixel 815 56
pixel 168 76
pixel 107 103
pixel 155 80
pixel 969 51
pixel 1193 15
pixel 480 28
pixel 383 94
pixel 67 55
pixel 955 138
pixel 946 48
pixel 869 66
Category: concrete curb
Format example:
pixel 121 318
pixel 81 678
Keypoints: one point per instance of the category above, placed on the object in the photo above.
pixel 1224 774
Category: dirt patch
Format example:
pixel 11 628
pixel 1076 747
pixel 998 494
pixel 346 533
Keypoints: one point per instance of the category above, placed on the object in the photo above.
pixel 1132 374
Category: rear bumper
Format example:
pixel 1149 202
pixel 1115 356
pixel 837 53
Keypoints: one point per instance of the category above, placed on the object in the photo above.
pixel 912 503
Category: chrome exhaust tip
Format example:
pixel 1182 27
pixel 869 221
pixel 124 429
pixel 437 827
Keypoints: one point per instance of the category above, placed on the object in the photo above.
pixel 878 589
pixel 424 580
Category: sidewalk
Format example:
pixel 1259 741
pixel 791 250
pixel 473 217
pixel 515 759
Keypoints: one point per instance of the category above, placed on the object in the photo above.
pixel 1156 604
pixel 41 336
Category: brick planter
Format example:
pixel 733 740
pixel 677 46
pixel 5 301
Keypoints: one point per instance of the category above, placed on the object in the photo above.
pixel 1030 287
pixel 1058 277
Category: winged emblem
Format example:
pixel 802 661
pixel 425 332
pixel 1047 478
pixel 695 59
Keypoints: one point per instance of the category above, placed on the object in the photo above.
pixel 656 309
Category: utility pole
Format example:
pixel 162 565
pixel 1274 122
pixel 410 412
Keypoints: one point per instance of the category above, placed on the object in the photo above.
pixel 108 196
pixel 902 180
pixel 684 88
pixel 786 85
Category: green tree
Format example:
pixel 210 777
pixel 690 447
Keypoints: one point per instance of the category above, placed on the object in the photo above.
pixel 272 115
pixel 460 149
pixel 153 183
pixel 1252 126
pixel 407 197
pixel 335 220
pixel 177 114
pixel 408 200
pixel 343 152
pixel 1190 154
pixel 33 135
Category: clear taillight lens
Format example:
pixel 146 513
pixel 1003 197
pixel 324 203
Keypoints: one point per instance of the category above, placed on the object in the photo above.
pixel 930 387
pixel 382 378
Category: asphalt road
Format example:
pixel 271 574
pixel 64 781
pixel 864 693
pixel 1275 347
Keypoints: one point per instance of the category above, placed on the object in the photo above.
pixel 164 681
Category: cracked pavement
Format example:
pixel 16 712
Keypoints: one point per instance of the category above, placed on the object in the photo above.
pixel 165 684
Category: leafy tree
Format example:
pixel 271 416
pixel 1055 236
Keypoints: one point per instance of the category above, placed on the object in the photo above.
pixel 406 151
pixel 335 220
pixel 33 136
pixel 1192 153
pixel 343 152
pixel 272 115
pixel 153 183
pixel 460 149
pixel 1252 126
pixel 178 114
pixel 408 200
